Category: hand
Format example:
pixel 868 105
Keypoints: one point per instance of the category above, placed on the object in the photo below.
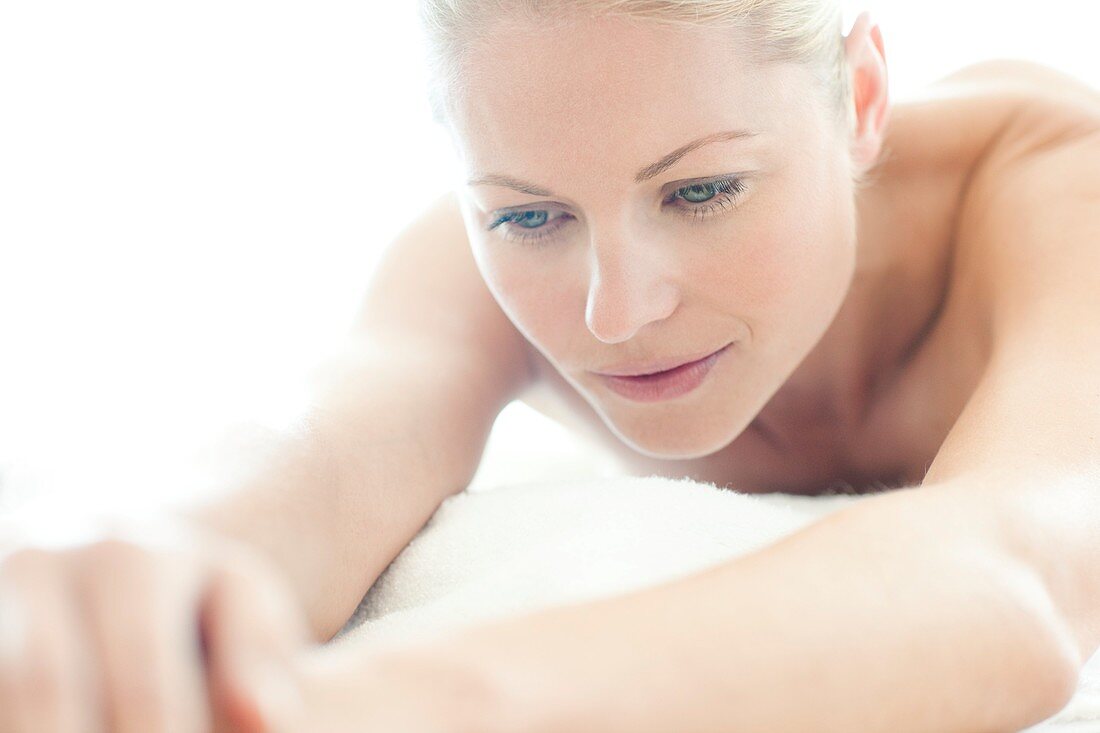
pixel 159 628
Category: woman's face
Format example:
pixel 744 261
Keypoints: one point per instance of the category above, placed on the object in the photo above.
pixel 607 254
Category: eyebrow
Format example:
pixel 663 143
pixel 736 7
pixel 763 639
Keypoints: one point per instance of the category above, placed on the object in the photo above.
pixel 666 162
pixel 494 179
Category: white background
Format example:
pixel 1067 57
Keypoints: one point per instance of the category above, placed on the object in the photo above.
pixel 193 196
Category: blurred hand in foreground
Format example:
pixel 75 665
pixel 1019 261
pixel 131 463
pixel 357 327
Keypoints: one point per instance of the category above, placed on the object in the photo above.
pixel 149 628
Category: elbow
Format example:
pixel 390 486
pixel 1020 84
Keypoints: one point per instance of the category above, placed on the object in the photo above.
pixel 1053 683
pixel 1048 664
pixel 1063 670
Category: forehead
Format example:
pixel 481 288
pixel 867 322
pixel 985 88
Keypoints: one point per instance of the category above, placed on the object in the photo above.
pixel 612 90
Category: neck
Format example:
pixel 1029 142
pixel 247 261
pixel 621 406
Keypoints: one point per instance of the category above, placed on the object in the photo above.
pixel 892 303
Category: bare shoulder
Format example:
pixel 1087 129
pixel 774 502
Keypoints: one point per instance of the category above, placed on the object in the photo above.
pixel 992 134
pixel 1040 104
pixel 1030 220
pixel 427 294
pixel 947 133
pixel 1011 72
pixel 1048 117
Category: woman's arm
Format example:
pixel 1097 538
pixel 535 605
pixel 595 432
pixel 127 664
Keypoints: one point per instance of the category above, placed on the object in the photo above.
pixel 397 421
pixel 906 612
pixel 967 604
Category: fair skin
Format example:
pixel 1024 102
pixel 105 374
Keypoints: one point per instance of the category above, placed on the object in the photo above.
pixel 910 334
pixel 629 271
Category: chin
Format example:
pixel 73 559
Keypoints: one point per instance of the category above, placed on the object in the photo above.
pixel 673 445
pixel 675 433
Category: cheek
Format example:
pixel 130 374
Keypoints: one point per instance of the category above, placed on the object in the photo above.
pixel 536 295
pixel 782 262
pixel 761 269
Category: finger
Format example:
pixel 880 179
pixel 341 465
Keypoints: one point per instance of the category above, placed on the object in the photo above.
pixel 141 608
pixel 14 618
pixel 46 681
pixel 254 632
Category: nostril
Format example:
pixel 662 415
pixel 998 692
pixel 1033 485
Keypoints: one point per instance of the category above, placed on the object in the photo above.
pixel 607 331
pixel 625 293
pixel 618 321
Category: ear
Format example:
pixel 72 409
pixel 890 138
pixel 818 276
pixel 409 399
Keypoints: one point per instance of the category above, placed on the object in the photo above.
pixel 866 58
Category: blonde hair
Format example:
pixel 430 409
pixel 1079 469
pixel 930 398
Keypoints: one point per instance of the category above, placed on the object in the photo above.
pixel 800 31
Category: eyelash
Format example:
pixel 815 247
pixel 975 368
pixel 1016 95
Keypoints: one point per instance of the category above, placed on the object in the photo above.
pixel 727 192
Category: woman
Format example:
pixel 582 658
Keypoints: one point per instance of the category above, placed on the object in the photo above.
pixel 701 234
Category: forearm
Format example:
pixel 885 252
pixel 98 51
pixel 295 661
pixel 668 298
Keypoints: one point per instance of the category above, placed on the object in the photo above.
pixel 902 614
pixel 333 501
pixel 280 497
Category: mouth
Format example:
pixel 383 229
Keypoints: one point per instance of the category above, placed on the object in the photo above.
pixel 636 369
pixel 666 384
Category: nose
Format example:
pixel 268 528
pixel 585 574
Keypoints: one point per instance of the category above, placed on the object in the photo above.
pixel 629 287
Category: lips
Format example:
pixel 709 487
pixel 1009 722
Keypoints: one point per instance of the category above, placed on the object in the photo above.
pixel 637 369
pixel 665 385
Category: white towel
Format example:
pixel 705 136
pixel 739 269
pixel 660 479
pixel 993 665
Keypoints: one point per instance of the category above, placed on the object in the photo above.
pixel 494 553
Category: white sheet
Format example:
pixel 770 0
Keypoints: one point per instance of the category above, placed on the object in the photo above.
pixel 492 553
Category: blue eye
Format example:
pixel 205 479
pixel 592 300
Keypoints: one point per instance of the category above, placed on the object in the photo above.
pixel 700 200
pixel 526 219
pixel 532 225
pixel 708 197
pixel 699 192
pixel 531 219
